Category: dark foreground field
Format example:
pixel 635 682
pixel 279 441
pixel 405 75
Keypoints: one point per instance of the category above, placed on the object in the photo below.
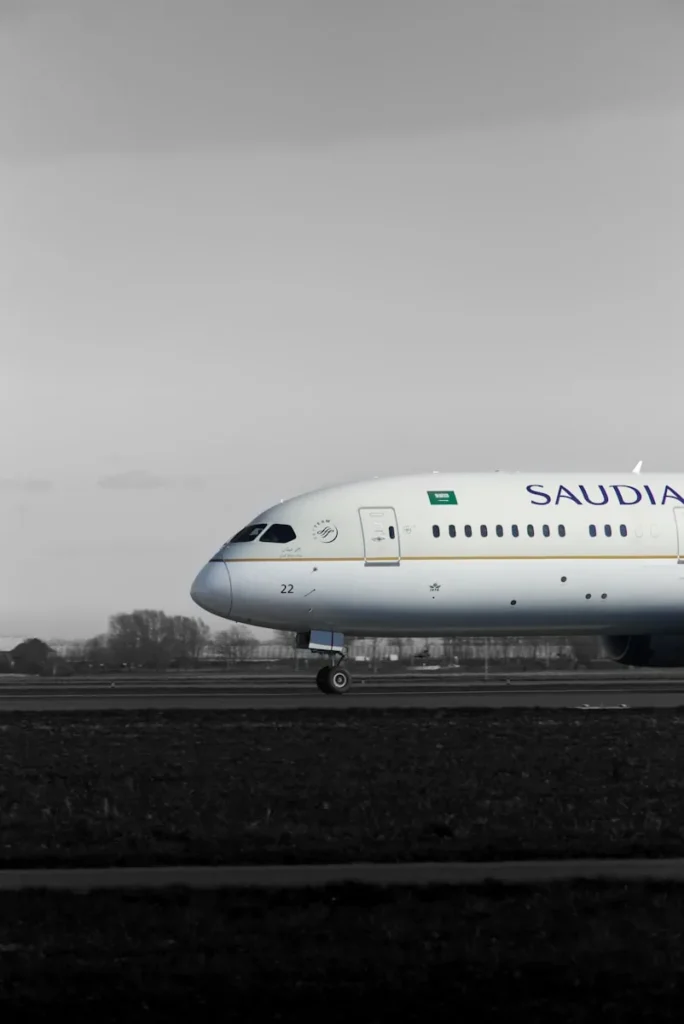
pixel 559 953
pixel 253 787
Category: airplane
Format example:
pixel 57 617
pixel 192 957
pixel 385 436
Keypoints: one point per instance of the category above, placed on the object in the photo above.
pixel 449 554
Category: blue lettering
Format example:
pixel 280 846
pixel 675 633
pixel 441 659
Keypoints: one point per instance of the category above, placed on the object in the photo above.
pixel 618 488
pixel 670 492
pixel 626 494
pixel 588 499
pixel 531 489
pixel 565 492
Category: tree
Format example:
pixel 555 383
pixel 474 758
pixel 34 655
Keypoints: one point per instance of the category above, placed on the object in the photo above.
pixel 189 638
pixel 235 644
pixel 142 638
pixel 288 639
pixel 450 649
pixel 97 651
pixel 32 656
pixel 402 646
pixel 152 639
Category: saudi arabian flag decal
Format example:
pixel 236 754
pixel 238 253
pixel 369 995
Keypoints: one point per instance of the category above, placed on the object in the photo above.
pixel 442 498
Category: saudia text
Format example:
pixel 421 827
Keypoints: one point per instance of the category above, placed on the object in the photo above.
pixel 624 494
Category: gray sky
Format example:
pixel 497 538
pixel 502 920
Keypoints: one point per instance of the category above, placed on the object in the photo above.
pixel 248 249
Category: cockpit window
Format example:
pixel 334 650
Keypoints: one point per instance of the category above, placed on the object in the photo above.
pixel 249 533
pixel 279 533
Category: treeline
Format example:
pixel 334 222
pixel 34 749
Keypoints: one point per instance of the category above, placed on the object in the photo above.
pixel 509 653
pixel 146 639
pixel 152 640
pixel 469 652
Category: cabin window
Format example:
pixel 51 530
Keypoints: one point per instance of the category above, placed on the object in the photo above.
pixel 530 531
pixel 499 531
pixel 249 533
pixel 623 531
pixel 561 530
pixel 452 531
pixel 483 531
pixel 608 531
pixel 391 532
pixel 435 531
pixel 279 533
pixel 515 531
pixel 546 531
pixel 592 531
pixel 468 531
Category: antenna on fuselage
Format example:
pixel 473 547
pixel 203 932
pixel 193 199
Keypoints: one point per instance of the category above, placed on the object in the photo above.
pixel 637 468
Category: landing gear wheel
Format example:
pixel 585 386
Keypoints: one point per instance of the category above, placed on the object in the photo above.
pixel 333 679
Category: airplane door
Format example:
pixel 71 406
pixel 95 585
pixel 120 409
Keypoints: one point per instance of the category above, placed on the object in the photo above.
pixel 380 536
pixel 679 520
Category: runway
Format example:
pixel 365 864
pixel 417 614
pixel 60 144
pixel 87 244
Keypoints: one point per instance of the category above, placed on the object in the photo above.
pixel 605 691
pixel 289 876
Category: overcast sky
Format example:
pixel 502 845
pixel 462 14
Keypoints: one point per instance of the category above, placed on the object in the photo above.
pixel 247 249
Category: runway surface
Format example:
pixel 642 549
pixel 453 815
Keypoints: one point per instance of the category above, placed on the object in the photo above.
pixel 316 875
pixel 129 693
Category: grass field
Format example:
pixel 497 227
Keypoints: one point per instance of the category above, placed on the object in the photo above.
pixel 572 953
pixel 256 787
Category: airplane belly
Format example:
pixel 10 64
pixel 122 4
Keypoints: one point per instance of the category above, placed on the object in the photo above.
pixel 431 597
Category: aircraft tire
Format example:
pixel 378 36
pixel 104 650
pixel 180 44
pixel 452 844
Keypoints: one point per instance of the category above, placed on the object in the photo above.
pixel 333 680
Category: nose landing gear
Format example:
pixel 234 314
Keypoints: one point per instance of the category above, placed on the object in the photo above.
pixel 333 679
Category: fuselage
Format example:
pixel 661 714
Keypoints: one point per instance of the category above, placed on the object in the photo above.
pixel 461 553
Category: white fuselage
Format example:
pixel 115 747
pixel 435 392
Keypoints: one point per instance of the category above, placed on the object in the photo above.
pixel 462 553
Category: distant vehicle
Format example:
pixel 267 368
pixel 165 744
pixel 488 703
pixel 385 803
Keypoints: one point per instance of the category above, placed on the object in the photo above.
pixel 464 554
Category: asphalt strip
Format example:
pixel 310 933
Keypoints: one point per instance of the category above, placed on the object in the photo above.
pixel 315 875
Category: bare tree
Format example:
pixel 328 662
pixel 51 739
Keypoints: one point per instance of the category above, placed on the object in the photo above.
pixel 152 639
pixel 289 639
pixel 142 638
pixel 189 638
pixel 146 639
pixel 375 641
pixel 97 652
pixel 450 649
pixel 76 651
pixel 235 644
pixel 402 646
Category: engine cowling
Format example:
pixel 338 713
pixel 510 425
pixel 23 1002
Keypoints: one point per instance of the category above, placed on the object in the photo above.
pixel 646 651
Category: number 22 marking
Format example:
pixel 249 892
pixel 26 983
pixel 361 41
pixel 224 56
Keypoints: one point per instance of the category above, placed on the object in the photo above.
pixel 286 588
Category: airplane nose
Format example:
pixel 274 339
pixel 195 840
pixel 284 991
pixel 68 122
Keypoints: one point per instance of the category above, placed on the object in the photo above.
pixel 212 590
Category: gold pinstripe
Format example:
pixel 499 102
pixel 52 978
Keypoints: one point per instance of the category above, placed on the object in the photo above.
pixel 465 558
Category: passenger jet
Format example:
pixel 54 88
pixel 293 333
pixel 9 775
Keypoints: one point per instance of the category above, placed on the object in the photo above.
pixel 454 554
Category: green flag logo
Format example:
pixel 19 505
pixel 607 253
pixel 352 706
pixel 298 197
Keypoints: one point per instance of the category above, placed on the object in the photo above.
pixel 442 498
